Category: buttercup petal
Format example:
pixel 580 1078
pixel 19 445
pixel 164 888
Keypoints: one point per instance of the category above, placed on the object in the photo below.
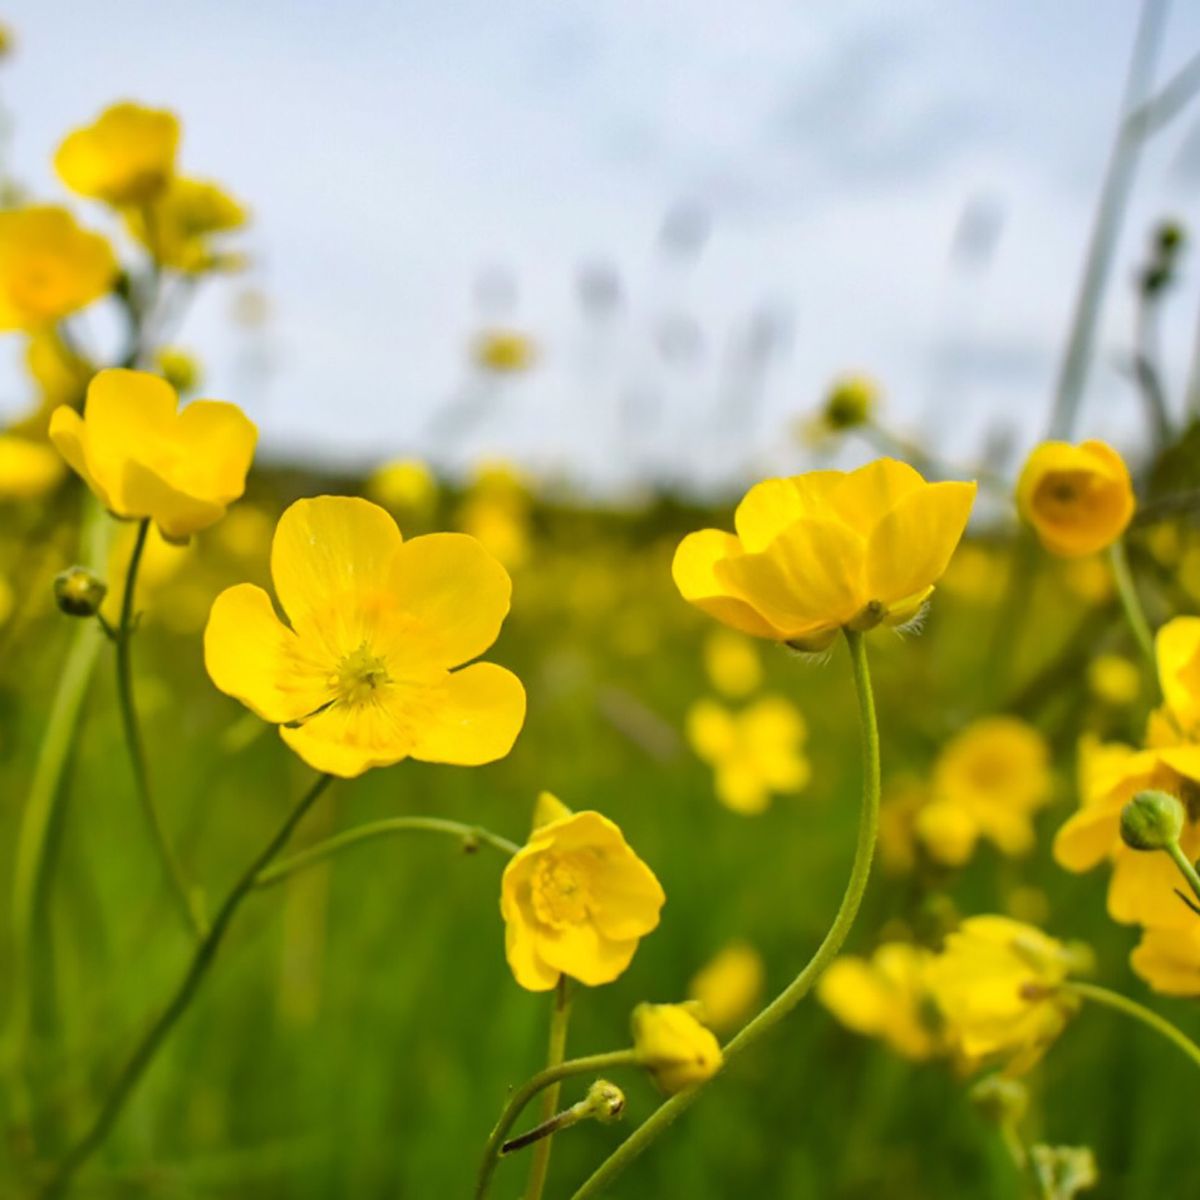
pixel 471 719
pixel 694 571
pixel 863 496
pixel 770 507
pixel 69 435
pixel 346 740
pixel 220 441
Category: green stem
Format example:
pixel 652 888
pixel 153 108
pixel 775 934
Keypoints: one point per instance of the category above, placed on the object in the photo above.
pixel 1186 868
pixel 468 834
pixel 594 1064
pixel 188 900
pixel 782 1005
pixel 202 959
pixel 1139 1012
pixel 1131 603
pixel 560 1018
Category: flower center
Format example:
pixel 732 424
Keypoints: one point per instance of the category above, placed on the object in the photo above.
pixel 359 676
pixel 560 890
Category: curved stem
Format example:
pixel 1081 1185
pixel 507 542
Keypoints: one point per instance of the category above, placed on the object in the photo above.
pixel 593 1064
pixel 559 1020
pixel 1131 603
pixel 787 1000
pixel 373 829
pixel 187 900
pixel 202 959
pixel 1139 1012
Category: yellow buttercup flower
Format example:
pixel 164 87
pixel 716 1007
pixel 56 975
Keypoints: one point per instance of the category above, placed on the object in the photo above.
pixel 125 157
pixel 1079 499
pixel 1169 960
pixel 179 226
pixel 143 458
pixel 575 899
pixel 1177 650
pixel 754 753
pixel 49 267
pixel 997 773
pixel 998 984
pixel 731 662
pixel 405 485
pixel 674 1047
pixel 1114 680
pixel 827 550
pixel 948 832
pixel 1142 890
pixel 886 996
pixel 904 798
pixel 504 351
pixel 28 469
pixel 729 986
pixel 363 674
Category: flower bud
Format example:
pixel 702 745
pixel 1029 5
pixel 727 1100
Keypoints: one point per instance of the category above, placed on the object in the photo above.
pixel 604 1102
pixel 78 592
pixel 851 402
pixel 676 1049
pixel 1152 820
pixel 1000 1099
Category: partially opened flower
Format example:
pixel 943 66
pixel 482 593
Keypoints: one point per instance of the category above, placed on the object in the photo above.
pixel 49 267
pixel 1143 887
pixel 28 469
pixel 363 674
pixel 886 996
pixel 754 753
pixel 145 458
pixel 576 900
pixel 180 225
pixel 672 1044
pixel 125 157
pixel 1079 499
pixel 998 984
pixel 824 551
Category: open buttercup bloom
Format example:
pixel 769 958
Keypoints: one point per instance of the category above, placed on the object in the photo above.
pixel 576 900
pixel 49 267
pixel 1143 887
pixel 886 996
pixel 1079 499
pixel 145 458
pixel 672 1044
pixel 824 551
pixel 363 673
pixel 125 157
pixel 997 983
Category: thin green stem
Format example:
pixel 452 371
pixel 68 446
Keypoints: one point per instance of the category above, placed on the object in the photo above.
pixel 560 1018
pixel 188 900
pixel 1139 1012
pixel 1131 603
pixel 202 960
pixel 593 1064
pixel 1186 867
pixel 868 825
pixel 468 834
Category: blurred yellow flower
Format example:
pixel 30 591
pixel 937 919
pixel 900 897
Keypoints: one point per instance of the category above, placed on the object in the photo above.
pixel 576 900
pixel 728 988
pixel 732 663
pixel 363 676
pixel 161 562
pixel 754 753
pixel 1142 890
pixel 8 600
pixel 1169 960
pixel 405 485
pixel 976 573
pixel 1079 499
pixel 1089 577
pixel 504 351
pixel 948 831
pixel 997 773
pixel 1177 650
pixel 49 267
pixel 886 996
pixel 496 511
pixel 177 228
pixel 246 531
pixel 28 469
pixel 143 458
pixel 180 368
pixel 826 550
pixel 674 1047
pixel 997 984
pixel 125 157
pixel 60 375
pixel 1114 680
pixel 904 797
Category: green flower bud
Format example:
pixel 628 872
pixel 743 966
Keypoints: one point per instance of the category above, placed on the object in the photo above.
pixel 1152 820
pixel 1169 237
pixel 78 592
pixel 1000 1099
pixel 605 1102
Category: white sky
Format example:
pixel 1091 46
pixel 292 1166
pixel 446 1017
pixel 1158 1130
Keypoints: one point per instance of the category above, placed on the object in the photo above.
pixel 394 152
